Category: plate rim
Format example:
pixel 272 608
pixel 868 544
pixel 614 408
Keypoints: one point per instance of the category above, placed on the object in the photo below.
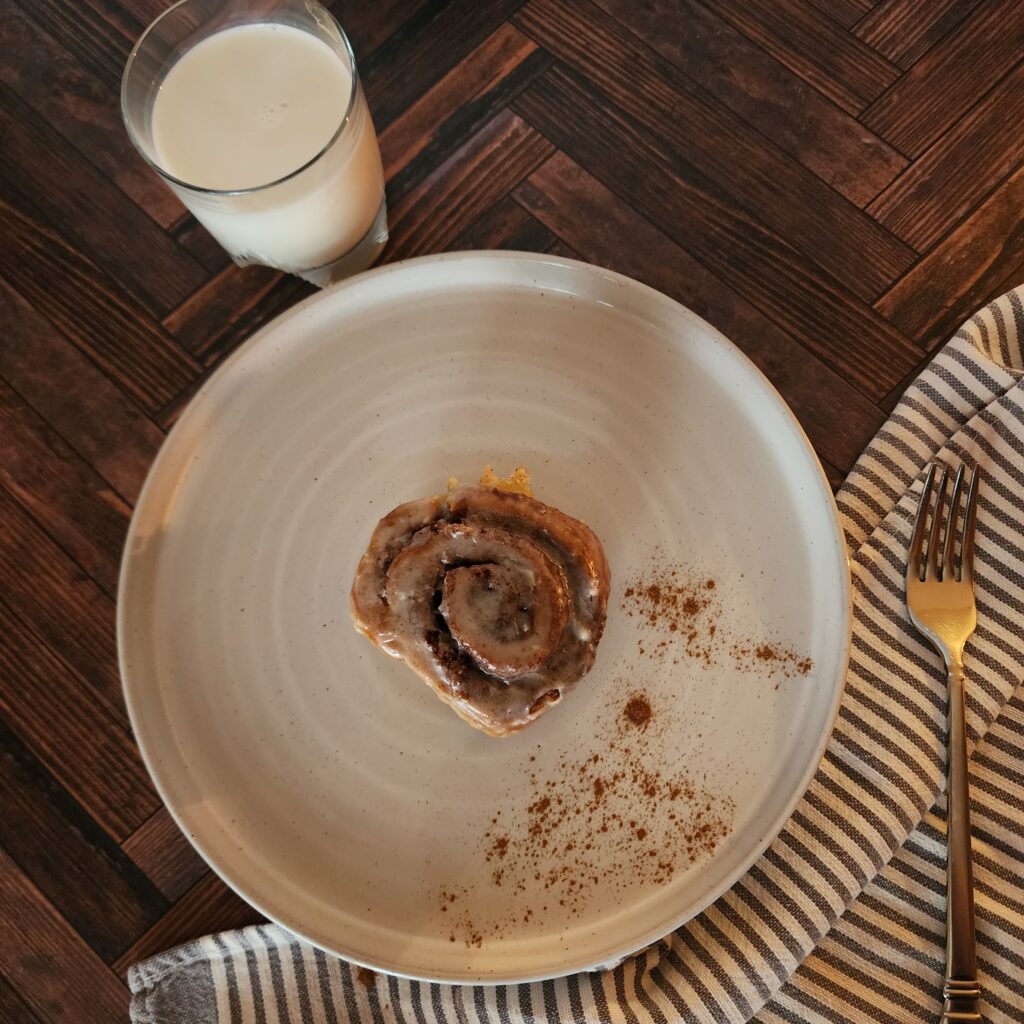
pixel 613 957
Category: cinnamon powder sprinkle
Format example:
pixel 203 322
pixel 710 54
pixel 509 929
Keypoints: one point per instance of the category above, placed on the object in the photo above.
pixel 618 821
pixel 779 659
pixel 681 616
pixel 676 613
pixel 637 711
pixel 612 822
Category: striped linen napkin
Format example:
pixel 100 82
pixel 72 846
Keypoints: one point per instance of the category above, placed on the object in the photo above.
pixel 842 918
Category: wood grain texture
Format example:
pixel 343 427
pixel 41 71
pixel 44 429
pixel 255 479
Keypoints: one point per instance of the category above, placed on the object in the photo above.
pixel 461 103
pixel 57 974
pixel 96 215
pixel 935 192
pixel 905 30
pixel 367 25
pixel 77 508
pixel 506 225
pixel 80 870
pixel 194 238
pixel 473 178
pixel 160 849
pixel 89 410
pixel 423 49
pixel 47 589
pixel 77 104
pixel 844 12
pixel 606 231
pixel 765 93
pixel 834 184
pixel 950 78
pixel 213 311
pixel 980 258
pixel 13 1009
pixel 99 34
pixel 759 264
pixel 835 62
pixel 699 130
pixel 207 907
pixel 99 316
pixel 227 309
pixel 53 711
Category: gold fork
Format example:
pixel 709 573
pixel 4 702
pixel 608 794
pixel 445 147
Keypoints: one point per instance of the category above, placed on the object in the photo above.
pixel 940 598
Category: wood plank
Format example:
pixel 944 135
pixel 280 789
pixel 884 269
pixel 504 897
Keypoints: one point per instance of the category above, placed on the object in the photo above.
pixel 459 105
pixel 76 507
pixel 137 12
pixel 51 968
pixel 760 266
pixel 49 591
pixel 69 858
pixel 844 12
pixel 204 248
pixel 75 103
pixel 905 30
pixel 229 308
pixel 12 1009
pixel 506 225
pixel 168 416
pixel 91 413
pixel 368 25
pixel 51 176
pixel 974 264
pixel 783 194
pixel 99 34
pixel 431 216
pixel 948 80
pixel 563 249
pixel 97 315
pixel 891 400
pixel 51 709
pixel 936 192
pixel 606 231
pixel 425 48
pixel 214 309
pixel 831 59
pixel 765 93
pixel 160 849
pixel 209 906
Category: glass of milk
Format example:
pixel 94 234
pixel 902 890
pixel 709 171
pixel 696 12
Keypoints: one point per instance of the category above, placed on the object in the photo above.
pixel 252 112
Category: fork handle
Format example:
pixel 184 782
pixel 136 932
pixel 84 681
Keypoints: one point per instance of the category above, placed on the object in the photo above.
pixel 961 990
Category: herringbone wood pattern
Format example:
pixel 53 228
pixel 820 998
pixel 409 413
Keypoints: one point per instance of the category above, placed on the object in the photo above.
pixel 835 184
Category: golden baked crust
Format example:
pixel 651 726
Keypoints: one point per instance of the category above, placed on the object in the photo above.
pixel 493 598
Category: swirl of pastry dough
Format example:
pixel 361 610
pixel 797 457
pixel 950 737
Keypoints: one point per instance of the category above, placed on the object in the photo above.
pixel 495 599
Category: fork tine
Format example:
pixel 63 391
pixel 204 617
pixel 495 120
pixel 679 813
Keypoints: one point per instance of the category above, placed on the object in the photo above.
pixel 914 555
pixel 931 568
pixel 949 552
pixel 967 557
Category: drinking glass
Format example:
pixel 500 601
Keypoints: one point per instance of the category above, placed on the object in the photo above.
pixel 322 219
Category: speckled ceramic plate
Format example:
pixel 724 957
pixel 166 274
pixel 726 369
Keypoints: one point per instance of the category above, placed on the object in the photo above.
pixel 323 780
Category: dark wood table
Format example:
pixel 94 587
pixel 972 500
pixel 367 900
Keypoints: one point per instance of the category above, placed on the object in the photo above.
pixel 835 184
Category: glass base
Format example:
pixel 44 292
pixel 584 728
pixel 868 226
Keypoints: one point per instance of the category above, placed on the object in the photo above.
pixel 361 257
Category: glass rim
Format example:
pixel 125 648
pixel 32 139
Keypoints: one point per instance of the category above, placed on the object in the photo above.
pixel 167 176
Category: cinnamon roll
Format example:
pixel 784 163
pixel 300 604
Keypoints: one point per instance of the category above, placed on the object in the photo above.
pixel 495 599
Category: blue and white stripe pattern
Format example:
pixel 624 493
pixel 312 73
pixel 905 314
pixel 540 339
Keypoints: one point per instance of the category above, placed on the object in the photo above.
pixel 843 917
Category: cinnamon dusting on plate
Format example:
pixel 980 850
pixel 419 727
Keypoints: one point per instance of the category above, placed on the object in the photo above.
pixel 621 820
pixel 610 822
pixel 681 616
